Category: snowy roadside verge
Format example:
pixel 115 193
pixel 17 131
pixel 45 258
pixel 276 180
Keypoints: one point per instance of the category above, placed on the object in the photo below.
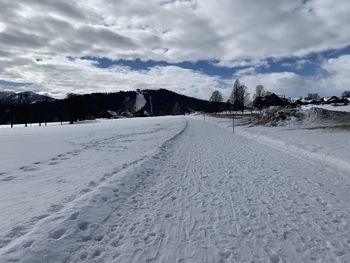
pixel 67 229
pixel 287 147
pixel 315 145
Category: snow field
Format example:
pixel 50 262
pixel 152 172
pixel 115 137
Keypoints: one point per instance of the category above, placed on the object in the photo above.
pixel 327 144
pixel 206 196
pixel 328 107
pixel 44 168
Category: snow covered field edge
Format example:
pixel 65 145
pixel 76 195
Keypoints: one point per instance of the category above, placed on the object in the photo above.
pixel 298 152
pixel 342 165
pixel 62 232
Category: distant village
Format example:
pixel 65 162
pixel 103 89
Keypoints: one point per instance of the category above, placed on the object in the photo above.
pixel 271 99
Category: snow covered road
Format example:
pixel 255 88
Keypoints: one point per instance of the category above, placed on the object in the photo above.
pixel 206 196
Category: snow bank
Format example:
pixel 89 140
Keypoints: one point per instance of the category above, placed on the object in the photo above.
pixel 344 108
pixel 322 116
pixel 278 116
pixel 328 145
pixel 325 158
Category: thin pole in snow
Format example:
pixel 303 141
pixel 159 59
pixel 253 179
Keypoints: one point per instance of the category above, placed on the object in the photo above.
pixel 233 122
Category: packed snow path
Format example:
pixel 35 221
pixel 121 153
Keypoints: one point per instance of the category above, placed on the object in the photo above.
pixel 207 196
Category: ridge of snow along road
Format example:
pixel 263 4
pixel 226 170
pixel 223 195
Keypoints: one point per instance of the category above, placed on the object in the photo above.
pixel 324 158
pixel 205 196
pixel 328 146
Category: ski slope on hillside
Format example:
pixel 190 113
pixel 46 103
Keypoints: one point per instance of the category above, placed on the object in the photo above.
pixel 205 196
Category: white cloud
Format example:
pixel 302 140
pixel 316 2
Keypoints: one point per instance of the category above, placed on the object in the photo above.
pixel 58 76
pixel 241 63
pixel 234 33
pixel 282 83
pixel 335 80
pixel 174 30
pixel 2 27
pixel 338 78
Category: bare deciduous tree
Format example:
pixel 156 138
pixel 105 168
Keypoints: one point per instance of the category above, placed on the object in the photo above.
pixel 216 96
pixel 239 96
pixel 259 91
pixel 312 96
pixel 215 100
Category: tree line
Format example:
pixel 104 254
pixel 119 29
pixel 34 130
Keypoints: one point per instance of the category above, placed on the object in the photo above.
pixel 239 98
pixel 72 108
pixel 76 107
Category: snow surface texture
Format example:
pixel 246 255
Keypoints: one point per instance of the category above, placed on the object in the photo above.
pixel 316 140
pixel 328 107
pixel 324 117
pixel 206 195
pixel 44 168
pixel 278 116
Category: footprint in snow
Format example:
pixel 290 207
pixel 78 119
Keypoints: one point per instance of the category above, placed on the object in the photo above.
pixel 28 168
pixel 53 163
pixel 8 178
pixel 74 216
pixel 28 244
pixel 168 215
pixel 83 225
pixel 57 233
pixel 92 183
pixel 96 253
pixel 98 238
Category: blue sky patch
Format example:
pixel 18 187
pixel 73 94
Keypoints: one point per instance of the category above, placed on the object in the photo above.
pixel 306 66
pixel 9 84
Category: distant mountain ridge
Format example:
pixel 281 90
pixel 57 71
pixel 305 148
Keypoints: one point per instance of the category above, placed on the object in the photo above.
pixel 89 106
pixel 10 97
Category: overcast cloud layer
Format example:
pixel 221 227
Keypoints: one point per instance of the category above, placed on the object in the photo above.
pixel 42 41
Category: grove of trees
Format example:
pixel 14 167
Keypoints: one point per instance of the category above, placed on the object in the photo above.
pixel 215 100
pixel 239 96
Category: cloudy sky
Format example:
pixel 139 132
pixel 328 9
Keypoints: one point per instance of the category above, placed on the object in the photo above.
pixel 193 47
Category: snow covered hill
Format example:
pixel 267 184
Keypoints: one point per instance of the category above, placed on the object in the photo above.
pixel 8 97
pixel 202 194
